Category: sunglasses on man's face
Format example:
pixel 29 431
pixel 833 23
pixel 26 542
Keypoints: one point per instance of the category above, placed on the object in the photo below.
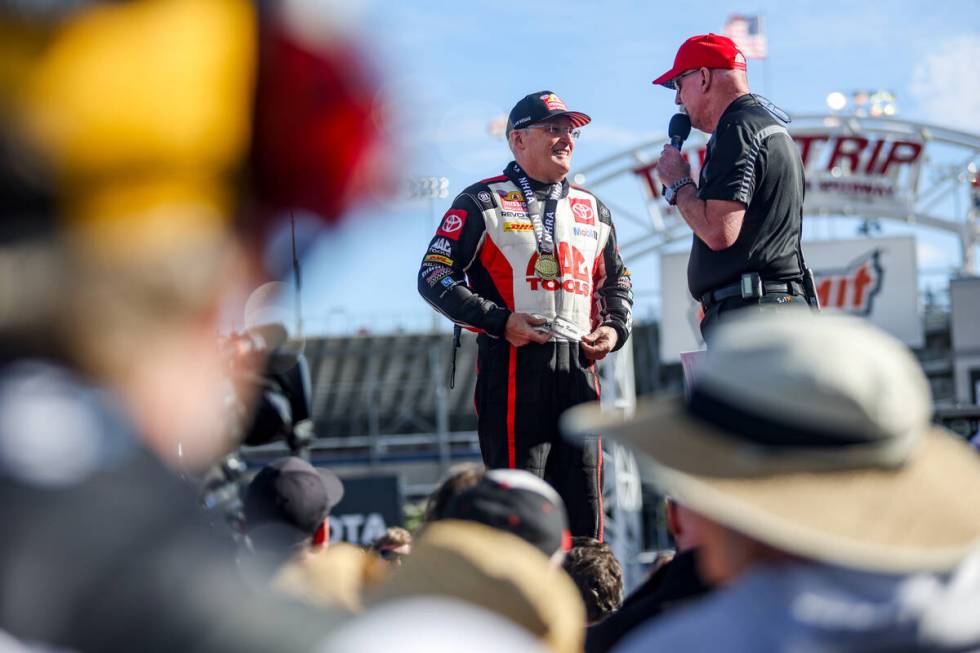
pixel 677 80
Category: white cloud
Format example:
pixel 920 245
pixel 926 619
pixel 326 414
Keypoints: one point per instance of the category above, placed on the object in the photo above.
pixel 942 83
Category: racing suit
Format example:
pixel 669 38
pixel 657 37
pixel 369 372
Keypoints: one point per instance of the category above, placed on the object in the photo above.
pixel 479 268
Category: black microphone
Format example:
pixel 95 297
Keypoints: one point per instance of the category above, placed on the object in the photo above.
pixel 679 129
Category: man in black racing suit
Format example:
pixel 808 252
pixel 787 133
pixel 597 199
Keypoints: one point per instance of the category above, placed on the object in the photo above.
pixel 530 262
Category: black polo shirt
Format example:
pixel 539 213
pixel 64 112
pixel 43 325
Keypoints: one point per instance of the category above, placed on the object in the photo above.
pixel 751 159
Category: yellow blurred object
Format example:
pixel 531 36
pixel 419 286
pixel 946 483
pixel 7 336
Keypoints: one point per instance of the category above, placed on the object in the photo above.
pixel 144 109
pixel 494 570
pixel 335 577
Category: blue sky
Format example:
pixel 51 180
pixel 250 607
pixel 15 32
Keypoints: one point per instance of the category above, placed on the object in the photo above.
pixel 450 68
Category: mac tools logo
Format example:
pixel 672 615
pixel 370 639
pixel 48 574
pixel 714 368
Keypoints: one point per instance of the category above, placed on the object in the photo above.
pixel 575 278
pixel 851 289
pixel 441 246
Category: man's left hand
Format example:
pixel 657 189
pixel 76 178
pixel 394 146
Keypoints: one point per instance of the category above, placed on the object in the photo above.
pixel 672 165
pixel 600 342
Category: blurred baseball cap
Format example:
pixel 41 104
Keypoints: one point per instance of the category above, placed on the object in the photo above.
pixel 540 106
pixel 518 502
pixel 703 51
pixel 293 496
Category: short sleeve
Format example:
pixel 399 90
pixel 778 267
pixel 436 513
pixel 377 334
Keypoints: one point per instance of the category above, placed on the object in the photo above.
pixel 730 169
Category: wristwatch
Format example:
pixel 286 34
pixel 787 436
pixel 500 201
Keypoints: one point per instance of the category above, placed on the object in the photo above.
pixel 670 193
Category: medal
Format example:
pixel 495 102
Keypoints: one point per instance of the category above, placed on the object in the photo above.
pixel 546 267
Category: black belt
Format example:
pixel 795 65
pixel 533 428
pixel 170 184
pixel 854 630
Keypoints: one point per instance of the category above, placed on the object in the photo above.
pixel 768 288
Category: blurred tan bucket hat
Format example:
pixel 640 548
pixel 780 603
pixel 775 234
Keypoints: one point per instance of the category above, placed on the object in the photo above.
pixel 497 571
pixel 812 433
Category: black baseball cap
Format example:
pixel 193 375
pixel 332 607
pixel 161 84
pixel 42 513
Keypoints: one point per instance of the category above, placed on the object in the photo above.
pixel 518 502
pixel 293 495
pixel 540 106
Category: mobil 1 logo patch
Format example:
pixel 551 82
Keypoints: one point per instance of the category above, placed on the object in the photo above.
pixel 440 246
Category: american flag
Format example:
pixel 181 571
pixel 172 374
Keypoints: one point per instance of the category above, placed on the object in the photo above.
pixel 749 34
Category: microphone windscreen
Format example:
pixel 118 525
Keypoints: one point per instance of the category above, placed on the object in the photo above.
pixel 679 127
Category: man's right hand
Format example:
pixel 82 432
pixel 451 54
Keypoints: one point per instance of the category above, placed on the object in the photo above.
pixel 520 329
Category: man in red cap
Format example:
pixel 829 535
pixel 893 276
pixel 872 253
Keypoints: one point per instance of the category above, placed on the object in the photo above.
pixel 746 209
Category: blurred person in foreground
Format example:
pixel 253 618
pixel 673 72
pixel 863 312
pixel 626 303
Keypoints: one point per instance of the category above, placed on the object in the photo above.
pixel 530 262
pixel 123 129
pixel 287 508
pixel 479 566
pixel 831 512
pixel 672 584
pixel 461 477
pixel 519 503
pixel 395 544
pixel 597 575
pixel 746 209
pixel 287 512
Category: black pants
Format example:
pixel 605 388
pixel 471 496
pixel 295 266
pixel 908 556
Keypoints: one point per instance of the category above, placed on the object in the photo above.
pixel 718 312
pixel 520 393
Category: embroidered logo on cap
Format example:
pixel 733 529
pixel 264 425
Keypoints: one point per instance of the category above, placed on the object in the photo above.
pixel 553 102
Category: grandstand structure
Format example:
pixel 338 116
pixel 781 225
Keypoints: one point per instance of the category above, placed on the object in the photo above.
pixel 383 401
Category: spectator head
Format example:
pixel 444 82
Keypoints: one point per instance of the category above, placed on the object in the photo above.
pixel 395 544
pixel 683 525
pixel 597 575
pixel 809 436
pixel 288 503
pixel 461 477
pixel 518 502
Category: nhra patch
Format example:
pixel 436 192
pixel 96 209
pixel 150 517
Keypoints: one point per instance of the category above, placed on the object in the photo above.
pixel 518 226
pixel 441 246
pixel 436 258
pixel 452 224
pixel 582 210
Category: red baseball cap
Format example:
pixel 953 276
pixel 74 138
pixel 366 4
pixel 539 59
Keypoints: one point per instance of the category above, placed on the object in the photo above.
pixel 703 51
